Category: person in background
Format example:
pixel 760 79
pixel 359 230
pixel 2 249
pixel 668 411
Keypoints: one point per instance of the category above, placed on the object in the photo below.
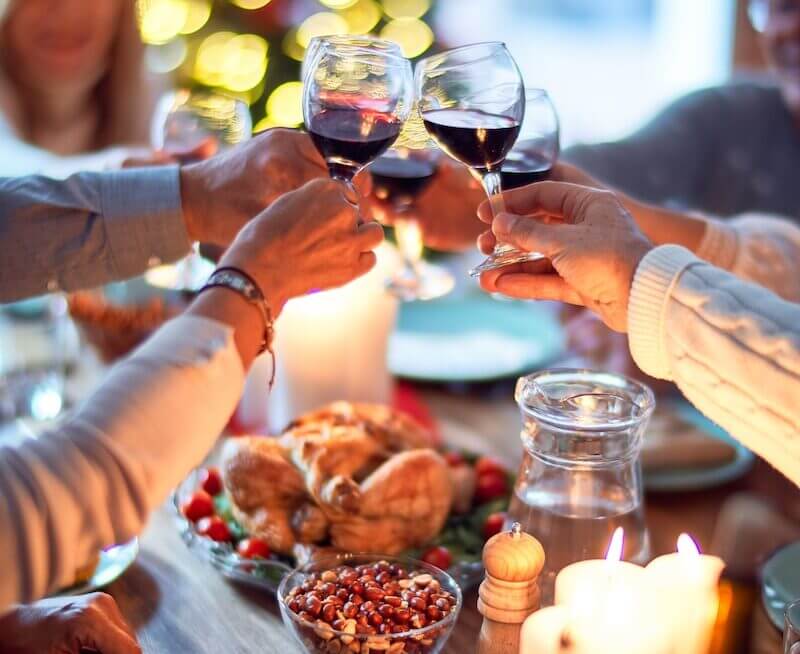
pixel 94 479
pixel 731 346
pixel 74 92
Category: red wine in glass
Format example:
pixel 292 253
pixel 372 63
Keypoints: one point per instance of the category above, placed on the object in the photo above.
pixel 525 165
pixel 399 180
pixel 349 139
pixel 477 139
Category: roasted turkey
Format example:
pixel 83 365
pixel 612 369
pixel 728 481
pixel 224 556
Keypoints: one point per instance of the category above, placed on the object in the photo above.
pixel 359 477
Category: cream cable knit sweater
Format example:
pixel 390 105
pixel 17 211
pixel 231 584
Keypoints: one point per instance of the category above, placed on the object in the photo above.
pixel 732 347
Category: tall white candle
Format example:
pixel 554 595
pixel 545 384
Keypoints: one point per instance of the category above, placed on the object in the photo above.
pixel 688 583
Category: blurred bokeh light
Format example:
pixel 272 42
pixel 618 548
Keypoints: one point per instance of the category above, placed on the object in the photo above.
pixel 162 20
pixel 237 62
pixel 406 8
pixel 320 24
pixel 284 106
pixel 362 17
pixel 197 14
pixel 251 4
pixel 412 35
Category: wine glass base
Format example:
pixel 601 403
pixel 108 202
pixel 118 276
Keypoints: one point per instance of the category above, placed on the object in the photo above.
pixel 503 259
pixel 428 282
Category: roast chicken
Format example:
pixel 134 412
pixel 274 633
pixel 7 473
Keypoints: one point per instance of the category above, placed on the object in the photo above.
pixel 357 477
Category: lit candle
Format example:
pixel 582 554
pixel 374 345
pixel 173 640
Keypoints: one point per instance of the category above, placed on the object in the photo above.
pixel 688 582
pixel 546 632
pixel 332 346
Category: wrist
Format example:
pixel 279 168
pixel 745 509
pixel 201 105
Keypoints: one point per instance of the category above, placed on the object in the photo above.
pixel 192 194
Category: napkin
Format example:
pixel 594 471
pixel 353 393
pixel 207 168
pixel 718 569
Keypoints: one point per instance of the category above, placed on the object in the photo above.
pixel 672 441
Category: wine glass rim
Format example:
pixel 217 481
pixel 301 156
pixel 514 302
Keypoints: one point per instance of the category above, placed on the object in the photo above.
pixel 461 48
pixel 342 39
pixel 361 53
pixel 533 92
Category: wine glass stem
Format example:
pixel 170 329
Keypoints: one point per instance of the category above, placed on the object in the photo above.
pixel 351 192
pixel 491 184
pixel 409 240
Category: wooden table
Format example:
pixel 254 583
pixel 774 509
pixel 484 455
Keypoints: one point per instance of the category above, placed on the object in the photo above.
pixel 179 604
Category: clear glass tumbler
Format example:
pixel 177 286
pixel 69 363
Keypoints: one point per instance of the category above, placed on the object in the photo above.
pixel 581 474
pixel 791 631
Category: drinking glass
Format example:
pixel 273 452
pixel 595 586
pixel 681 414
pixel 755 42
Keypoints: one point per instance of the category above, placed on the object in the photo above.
pixel 355 101
pixel 398 177
pixel 537 147
pixel 580 476
pixel 791 631
pixel 472 101
pixel 356 40
pixel 191 126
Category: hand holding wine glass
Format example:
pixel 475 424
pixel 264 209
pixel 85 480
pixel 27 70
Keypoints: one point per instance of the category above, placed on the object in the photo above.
pixel 355 101
pixel 472 102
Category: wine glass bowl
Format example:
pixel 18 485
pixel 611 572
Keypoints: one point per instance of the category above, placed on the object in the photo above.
pixel 398 178
pixel 472 102
pixel 352 40
pixel 191 126
pixel 395 635
pixel 355 101
pixel 537 148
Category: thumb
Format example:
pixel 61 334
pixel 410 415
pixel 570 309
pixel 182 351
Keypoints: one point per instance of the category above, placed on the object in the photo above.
pixel 529 234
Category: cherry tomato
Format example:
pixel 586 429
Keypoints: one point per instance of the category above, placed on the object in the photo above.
pixel 493 525
pixel 214 528
pixel 199 505
pixel 211 481
pixel 488 464
pixel 454 459
pixel 252 548
pixel 491 485
pixel 438 556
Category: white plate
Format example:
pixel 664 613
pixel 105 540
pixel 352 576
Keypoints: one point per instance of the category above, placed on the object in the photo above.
pixel 780 583
pixel 113 562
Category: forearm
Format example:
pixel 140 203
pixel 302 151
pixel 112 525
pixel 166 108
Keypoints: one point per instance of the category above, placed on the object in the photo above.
pixel 94 481
pixel 662 226
pixel 87 230
pixel 732 347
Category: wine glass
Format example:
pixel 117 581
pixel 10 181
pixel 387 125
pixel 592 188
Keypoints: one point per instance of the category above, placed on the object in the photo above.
pixel 472 101
pixel 537 147
pixel 357 40
pixel 355 101
pixel 191 126
pixel 399 177
pixel 791 632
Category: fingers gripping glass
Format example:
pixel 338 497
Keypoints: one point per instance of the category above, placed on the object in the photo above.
pixel 355 101
pixel 191 126
pixel 472 103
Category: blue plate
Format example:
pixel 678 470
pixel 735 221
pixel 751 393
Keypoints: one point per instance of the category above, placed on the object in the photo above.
pixel 473 338
pixel 689 479
pixel 780 582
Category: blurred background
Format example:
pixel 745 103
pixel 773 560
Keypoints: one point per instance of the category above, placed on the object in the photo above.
pixel 588 54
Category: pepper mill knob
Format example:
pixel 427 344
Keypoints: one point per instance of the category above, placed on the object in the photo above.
pixel 510 591
pixel 513 555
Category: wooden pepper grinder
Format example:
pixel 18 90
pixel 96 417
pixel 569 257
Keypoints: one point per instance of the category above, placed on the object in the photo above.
pixel 510 591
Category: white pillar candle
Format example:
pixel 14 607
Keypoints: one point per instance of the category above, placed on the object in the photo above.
pixel 332 346
pixel 688 583
pixel 545 631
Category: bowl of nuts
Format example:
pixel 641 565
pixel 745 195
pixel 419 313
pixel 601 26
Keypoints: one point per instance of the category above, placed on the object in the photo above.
pixel 369 604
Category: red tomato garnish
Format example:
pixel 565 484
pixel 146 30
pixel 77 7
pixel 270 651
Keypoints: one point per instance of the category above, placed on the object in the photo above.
pixel 454 459
pixel 214 528
pixel 211 481
pixel 493 525
pixel 490 485
pixel 438 556
pixel 488 464
pixel 252 548
pixel 199 505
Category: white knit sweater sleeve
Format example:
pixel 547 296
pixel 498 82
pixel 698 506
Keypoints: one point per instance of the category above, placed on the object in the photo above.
pixel 756 247
pixel 731 346
pixel 93 480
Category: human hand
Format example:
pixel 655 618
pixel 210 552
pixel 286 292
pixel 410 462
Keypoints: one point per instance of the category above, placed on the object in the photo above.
pixel 67 625
pixel 220 195
pixel 591 244
pixel 306 240
pixel 445 210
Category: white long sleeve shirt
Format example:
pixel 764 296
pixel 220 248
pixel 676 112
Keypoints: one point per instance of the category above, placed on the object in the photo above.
pixel 732 347
pixel 93 481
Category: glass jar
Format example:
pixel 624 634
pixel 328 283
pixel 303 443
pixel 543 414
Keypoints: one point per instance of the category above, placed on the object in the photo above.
pixel 581 474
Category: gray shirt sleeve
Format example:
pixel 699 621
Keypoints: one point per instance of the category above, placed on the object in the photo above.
pixel 87 230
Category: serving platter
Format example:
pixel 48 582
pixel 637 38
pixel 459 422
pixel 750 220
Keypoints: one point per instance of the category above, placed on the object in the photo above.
pixel 462 536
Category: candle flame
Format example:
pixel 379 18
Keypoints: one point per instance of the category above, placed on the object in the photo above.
pixel 614 552
pixel 687 546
